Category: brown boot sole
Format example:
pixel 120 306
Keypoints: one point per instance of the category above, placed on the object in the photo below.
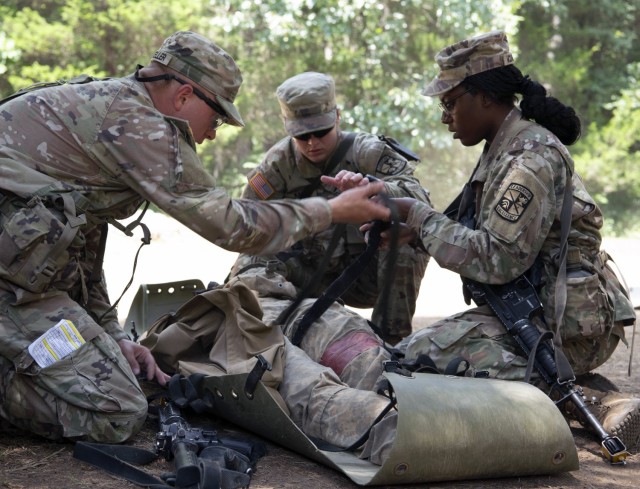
pixel 628 430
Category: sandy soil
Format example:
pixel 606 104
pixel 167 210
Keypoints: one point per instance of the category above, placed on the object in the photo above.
pixel 27 461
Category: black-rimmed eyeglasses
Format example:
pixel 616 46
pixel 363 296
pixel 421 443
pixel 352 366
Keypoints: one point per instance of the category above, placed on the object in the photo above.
pixel 217 122
pixel 447 106
pixel 317 134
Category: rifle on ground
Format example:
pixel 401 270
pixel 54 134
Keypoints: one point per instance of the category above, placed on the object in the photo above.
pixel 203 459
pixel 516 304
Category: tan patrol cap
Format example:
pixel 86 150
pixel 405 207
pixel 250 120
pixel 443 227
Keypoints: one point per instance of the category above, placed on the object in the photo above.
pixel 469 57
pixel 207 64
pixel 308 102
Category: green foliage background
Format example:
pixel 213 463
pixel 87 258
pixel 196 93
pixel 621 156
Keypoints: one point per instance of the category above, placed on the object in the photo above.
pixel 380 52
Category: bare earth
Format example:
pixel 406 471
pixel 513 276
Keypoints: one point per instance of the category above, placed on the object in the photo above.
pixel 28 461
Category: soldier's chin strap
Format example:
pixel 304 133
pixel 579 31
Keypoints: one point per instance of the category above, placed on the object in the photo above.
pixel 351 273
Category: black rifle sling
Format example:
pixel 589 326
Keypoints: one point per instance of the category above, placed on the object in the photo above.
pixel 117 460
pixel 466 215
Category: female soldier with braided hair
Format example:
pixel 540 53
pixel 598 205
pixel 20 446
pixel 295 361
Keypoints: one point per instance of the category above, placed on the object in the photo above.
pixel 508 222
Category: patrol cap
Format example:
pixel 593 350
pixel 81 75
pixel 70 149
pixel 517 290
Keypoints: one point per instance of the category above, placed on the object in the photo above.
pixel 207 64
pixel 469 57
pixel 307 102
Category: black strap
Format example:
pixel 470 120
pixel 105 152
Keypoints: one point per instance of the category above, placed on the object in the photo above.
pixel 337 157
pixel 316 278
pixel 399 148
pixel 117 460
pixel 339 286
pixel 258 370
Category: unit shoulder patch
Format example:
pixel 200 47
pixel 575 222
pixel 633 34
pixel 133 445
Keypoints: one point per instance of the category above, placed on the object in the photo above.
pixel 261 186
pixel 388 165
pixel 514 202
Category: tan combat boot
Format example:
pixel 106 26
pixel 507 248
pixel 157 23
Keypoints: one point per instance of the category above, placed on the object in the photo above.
pixel 618 413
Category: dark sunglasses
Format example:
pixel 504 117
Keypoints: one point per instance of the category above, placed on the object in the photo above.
pixel 317 134
pixel 222 115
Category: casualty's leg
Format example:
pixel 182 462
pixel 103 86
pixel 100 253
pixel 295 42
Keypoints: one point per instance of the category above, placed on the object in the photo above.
pixel 339 339
pixel 324 407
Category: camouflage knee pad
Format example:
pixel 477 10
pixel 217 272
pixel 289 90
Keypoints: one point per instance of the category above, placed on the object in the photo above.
pixel 91 394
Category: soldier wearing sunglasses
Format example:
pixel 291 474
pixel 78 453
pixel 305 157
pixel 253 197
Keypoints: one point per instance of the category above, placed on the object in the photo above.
pixel 316 147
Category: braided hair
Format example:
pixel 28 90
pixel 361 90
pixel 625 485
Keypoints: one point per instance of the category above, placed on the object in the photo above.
pixel 503 83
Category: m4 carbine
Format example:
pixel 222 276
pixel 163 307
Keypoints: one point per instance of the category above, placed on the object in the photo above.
pixel 516 304
pixel 202 459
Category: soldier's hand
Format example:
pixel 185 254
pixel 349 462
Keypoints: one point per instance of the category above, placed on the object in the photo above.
pixel 345 180
pixel 141 359
pixel 406 235
pixel 357 205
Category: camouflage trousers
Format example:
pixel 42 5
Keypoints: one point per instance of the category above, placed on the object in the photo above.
pixel 478 336
pixel 339 339
pixel 409 269
pixel 91 393
pixel 326 408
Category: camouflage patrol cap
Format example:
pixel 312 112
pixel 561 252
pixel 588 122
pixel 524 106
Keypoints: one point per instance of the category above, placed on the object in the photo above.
pixel 207 64
pixel 307 102
pixel 468 57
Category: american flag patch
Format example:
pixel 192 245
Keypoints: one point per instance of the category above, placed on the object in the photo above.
pixel 261 186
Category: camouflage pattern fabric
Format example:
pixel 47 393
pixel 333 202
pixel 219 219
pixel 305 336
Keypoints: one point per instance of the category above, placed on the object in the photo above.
pixel 358 353
pixel 522 177
pixel 469 57
pixel 307 102
pixel 105 142
pixel 205 63
pixel 90 394
pixel 324 407
pixel 289 173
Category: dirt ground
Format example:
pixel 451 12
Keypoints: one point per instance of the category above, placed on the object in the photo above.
pixel 28 461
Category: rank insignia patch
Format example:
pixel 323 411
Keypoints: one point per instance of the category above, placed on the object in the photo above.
pixel 514 202
pixel 261 186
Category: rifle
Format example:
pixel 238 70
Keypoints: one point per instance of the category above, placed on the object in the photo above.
pixel 516 304
pixel 203 460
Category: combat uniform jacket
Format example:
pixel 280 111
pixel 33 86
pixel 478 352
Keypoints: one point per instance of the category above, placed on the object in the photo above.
pixel 286 173
pixel 107 141
pixel 520 181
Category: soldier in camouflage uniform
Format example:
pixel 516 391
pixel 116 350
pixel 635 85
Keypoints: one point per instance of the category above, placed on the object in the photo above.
pixel 292 169
pixel 515 196
pixel 77 156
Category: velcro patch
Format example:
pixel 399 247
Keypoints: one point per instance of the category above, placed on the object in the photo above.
pixel 514 202
pixel 261 186
pixel 388 165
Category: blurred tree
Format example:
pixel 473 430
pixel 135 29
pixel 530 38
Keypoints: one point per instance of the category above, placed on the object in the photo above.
pixel 609 160
pixel 380 53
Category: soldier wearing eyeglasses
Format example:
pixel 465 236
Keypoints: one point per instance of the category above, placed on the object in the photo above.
pixel 75 157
